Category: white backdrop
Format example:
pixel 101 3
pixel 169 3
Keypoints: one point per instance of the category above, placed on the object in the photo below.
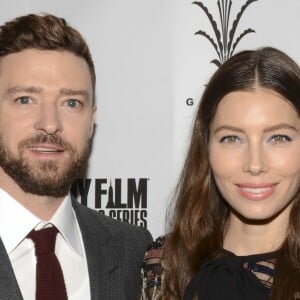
pixel 149 62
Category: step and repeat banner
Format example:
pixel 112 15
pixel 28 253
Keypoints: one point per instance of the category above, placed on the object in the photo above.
pixel 153 59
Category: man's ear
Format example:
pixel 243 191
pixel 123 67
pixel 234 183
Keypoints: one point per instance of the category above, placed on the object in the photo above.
pixel 92 126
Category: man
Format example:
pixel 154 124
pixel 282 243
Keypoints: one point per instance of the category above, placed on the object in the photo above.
pixel 47 112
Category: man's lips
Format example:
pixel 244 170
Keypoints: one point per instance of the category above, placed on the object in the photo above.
pixel 256 191
pixel 46 148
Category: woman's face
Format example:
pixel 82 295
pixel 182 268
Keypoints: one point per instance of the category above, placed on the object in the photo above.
pixel 254 153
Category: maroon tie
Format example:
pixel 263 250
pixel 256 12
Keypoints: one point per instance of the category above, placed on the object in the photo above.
pixel 50 283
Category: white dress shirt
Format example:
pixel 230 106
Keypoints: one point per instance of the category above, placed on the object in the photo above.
pixel 15 224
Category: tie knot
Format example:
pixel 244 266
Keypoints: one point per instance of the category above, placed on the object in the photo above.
pixel 44 240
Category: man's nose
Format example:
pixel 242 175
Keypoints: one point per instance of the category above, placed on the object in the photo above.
pixel 48 119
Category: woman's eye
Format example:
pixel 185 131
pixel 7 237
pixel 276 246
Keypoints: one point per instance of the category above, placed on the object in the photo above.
pixel 24 100
pixel 280 138
pixel 73 103
pixel 230 139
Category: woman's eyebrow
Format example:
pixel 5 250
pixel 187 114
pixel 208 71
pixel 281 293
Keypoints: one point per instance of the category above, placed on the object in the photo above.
pixel 228 127
pixel 281 126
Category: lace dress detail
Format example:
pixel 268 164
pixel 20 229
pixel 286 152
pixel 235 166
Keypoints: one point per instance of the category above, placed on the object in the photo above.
pixel 152 271
pixel 259 268
pixel 263 270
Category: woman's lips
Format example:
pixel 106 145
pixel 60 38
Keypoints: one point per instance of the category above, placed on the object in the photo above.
pixel 256 191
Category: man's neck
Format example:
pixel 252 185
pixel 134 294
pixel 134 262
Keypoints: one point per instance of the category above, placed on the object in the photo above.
pixel 41 206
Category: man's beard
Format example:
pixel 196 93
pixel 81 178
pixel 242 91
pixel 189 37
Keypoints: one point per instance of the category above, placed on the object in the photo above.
pixel 45 178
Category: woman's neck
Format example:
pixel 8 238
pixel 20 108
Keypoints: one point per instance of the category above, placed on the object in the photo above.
pixel 247 238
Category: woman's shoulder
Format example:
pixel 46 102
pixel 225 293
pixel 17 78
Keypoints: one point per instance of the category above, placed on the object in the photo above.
pixel 152 269
pixel 155 250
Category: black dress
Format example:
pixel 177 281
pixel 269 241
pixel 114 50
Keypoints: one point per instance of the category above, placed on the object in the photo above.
pixel 234 277
pixel 227 277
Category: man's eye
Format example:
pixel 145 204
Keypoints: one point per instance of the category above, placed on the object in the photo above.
pixel 24 100
pixel 280 138
pixel 230 139
pixel 73 103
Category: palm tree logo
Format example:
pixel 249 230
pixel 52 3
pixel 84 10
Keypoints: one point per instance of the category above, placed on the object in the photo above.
pixel 225 42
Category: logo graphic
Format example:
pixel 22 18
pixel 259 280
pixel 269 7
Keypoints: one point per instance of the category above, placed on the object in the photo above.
pixel 225 42
pixel 121 199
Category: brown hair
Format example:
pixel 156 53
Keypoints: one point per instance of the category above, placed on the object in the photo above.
pixel 200 212
pixel 44 32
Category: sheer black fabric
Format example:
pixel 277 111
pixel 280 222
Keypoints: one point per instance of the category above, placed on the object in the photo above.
pixel 233 277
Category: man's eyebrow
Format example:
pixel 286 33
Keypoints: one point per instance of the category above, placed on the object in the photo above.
pixel 24 89
pixel 71 92
pixel 37 89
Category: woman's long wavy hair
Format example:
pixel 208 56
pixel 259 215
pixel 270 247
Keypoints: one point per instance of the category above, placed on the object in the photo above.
pixel 200 213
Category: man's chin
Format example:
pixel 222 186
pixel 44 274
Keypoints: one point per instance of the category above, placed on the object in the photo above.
pixel 50 184
pixel 43 177
pixel 47 191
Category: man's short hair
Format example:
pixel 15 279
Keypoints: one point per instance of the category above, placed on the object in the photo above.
pixel 44 32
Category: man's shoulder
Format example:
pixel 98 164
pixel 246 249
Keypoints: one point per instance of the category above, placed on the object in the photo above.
pixel 114 227
pixel 118 247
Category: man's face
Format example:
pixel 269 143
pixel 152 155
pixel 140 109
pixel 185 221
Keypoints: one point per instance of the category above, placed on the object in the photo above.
pixel 46 119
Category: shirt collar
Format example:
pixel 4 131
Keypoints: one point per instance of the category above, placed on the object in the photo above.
pixel 65 221
pixel 16 222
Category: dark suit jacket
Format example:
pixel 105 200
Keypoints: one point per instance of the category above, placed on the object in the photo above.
pixel 114 252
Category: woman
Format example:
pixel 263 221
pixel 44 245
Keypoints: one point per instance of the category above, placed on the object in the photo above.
pixel 235 233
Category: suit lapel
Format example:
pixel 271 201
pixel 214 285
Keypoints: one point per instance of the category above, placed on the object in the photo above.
pixel 104 255
pixel 9 288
